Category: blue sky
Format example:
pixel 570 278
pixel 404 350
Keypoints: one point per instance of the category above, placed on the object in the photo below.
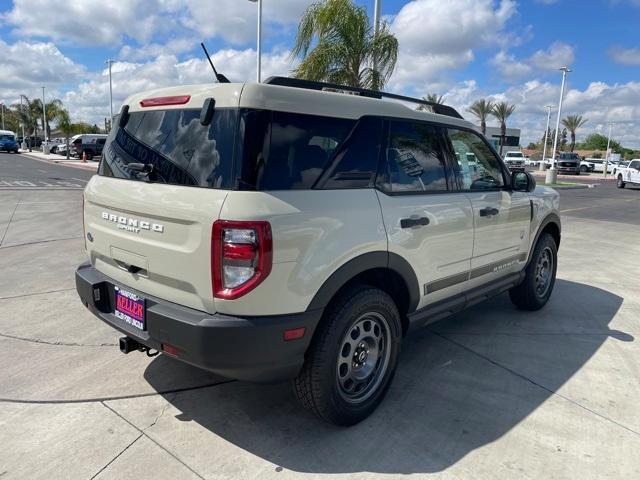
pixel 464 49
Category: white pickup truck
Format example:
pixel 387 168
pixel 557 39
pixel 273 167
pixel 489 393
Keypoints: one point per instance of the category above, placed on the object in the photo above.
pixel 629 174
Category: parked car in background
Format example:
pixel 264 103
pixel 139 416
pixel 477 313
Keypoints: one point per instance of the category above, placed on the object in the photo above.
pixel 586 166
pixel 629 174
pixel 568 162
pixel 89 144
pixel 8 141
pixel 514 160
pixel 618 166
pixel 53 144
pixel 598 164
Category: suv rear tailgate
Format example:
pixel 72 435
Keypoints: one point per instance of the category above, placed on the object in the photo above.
pixel 153 237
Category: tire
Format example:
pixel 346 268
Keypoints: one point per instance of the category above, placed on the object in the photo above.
pixel 533 294
pixel 332 382
pixel 620 183
pixel 584 168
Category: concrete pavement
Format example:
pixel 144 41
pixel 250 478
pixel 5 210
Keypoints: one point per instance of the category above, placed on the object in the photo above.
pixel 489 393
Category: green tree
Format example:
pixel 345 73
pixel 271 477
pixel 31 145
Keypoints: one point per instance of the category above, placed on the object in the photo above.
pixel 65 126
pixel 336 43
pixel 502 111
pixel 532 146
pixel 562 143
pixel 573 123
pixel 596 141
pixel 482 109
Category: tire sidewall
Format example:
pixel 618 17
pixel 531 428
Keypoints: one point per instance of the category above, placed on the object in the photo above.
pixel 546 240
pixel 366 300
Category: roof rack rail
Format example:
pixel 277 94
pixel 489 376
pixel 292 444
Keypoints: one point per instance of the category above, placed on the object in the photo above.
pixel 363 92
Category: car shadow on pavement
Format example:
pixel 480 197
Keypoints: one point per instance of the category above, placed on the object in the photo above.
pixel 462 383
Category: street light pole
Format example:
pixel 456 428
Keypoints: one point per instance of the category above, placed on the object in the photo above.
pixel 110 62
pixel 24 143
pixel 44 117
pixel 552 173
pixel 30 122
pixel 543 165
pixel 2 115
pixel 606 159
pixel 259 46
pixel 376 17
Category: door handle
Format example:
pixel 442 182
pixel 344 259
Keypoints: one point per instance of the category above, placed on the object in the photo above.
pixel 488 212
pixel 414 222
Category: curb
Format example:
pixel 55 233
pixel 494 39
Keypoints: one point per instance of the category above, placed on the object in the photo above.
pixel 571 187
pixel 61 163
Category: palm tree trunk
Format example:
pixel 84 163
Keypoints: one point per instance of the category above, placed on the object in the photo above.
pixel 573 140
pixel 483 127
pixel 503 134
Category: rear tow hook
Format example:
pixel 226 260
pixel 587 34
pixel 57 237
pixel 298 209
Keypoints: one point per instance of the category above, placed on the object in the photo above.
pixel 128 345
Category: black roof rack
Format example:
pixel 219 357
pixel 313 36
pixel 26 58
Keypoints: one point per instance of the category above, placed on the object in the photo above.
pixel 363 92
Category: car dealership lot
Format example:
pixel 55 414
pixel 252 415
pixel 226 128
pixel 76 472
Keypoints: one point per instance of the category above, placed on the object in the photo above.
pixel 489 393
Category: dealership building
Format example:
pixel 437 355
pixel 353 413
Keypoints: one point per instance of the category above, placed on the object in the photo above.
pixel 511 141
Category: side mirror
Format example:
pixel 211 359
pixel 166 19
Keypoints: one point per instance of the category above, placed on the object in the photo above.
pixel 523 182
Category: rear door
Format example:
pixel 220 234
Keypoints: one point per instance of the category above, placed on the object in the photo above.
pixel 151 231
pixel 634 171
pixel 501 217
pixel 427 222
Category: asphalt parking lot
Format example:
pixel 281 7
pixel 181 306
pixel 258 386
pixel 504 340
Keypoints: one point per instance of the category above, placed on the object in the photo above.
pixel 490 393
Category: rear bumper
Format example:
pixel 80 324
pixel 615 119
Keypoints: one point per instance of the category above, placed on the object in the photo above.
pixel 249 348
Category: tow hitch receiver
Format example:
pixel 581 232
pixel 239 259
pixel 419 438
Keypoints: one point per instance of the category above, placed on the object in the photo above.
pixel 128 345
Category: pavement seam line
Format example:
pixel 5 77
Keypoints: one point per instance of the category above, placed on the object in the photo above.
pixel 41 241
pixel 37 293
pixel 142 432
pixel 109 399
pixel 61 344
pixel 116 457
pixel 10 219
pixel 533 382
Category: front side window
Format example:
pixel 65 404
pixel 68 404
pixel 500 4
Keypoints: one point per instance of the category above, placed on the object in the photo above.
pixel 635 164
pixel 415 158
pixel 477 167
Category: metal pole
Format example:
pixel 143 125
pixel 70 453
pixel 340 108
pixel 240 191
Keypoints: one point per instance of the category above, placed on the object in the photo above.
pixel 24 143
pixel 606 158
pixel 552 173
pixel 376 17
pixel 2 115
pixel 44 116
pixel 259 74
pixel 543 165
pixel 109 62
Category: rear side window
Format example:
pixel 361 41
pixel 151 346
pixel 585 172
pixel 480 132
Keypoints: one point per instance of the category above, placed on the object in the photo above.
pixel 181 150
pixel 288 151
pixel 415 158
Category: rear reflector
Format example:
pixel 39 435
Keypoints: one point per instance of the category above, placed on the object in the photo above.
pixel 294 334
pixel 159 101
pixel 170 349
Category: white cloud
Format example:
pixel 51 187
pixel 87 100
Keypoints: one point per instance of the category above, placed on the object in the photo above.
pixel 437 36
pixel 626 56
pixel 90 100
pixel 96 22
pixel 28 66
pixel 557 55
pixel 599 102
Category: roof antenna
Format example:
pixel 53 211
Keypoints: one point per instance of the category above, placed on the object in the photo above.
pixel 220 77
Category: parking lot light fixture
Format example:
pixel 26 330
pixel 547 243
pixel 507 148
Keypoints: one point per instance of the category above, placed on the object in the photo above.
pixel 543 165
pixel 44 119
pixel 2 105
pixel 552 173
pixel 259 45
pixel 109 62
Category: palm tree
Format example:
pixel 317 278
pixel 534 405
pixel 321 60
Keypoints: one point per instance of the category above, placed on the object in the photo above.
pixel 65 126
pixel 501 111
pixel 573 123
pixel 433 98
pixel 53 108
pixel 482 109
pixel 345 49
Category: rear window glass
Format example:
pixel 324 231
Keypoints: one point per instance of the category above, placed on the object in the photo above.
pixel 181 150
pixel 288 151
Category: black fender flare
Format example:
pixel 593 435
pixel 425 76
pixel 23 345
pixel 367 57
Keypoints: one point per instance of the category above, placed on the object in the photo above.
pixel 550 218
pixel 360 264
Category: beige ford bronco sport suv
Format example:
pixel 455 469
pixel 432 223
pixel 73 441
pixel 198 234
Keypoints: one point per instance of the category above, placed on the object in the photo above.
pixel 299 230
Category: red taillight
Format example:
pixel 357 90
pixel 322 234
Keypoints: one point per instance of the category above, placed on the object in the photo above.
pixel 293 334
pixel 159 101
pixel 241 256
